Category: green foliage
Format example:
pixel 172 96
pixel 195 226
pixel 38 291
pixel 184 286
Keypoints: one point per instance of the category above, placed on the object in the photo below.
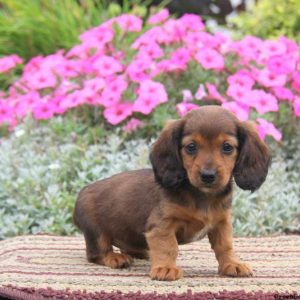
pixel 271 19
pixel 43 167
pixel 33 27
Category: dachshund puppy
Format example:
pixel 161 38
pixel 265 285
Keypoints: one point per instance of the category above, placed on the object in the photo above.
pixel 147 213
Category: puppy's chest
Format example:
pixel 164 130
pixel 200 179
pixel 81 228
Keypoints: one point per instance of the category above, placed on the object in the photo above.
pixel 190 232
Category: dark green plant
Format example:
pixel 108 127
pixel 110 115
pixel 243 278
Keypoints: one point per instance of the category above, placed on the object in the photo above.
pixel 32 27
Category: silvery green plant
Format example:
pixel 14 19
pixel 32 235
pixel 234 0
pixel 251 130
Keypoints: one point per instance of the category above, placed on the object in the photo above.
pixel 43 167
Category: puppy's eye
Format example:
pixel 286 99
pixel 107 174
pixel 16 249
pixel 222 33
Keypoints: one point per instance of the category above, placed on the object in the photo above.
pixel 227 148
pixel 191 148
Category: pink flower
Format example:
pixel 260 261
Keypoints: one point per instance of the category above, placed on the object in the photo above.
pixel 72 100
pixel 281 64
pixel 132 125
pixel 296 106
pixel 263 102
pixel 150 94
pixel 138 69
pixel 41 80
pixel 6 112
pixel 266 128
pixel 9 62
pixel 296 82
pixel 200 94
pixel 241 78
pixel 239 110
pixel 270 79
pixel 152 50
pixel 129 22
pixel 184 107
pixel 187 95
pixel 107 65
pixel 159 17
pixel 95 84
pixel 290 45
pixel 247 48
pixel 239 93
pixel 25 103
pixel 180 57
pixel 191 22
pixel 117 113
pixel 98 36
pixel 210 59
pixel 43 111
pixel 272 48
pixel 283 93
pixel 109 98
pixel 213 94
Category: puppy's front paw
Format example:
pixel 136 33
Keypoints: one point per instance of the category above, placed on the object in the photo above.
pixel 165 273
pixel 235 269
pixel 117 260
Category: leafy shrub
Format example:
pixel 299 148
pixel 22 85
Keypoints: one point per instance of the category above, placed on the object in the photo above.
pixel 124 70
pixel 43 168
pixel 33 27
pixel 271 19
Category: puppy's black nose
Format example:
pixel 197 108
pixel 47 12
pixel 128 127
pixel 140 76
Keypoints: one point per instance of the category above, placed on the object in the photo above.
pixel 208 176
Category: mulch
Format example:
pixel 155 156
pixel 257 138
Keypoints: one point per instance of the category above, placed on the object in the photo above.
pixel 55 267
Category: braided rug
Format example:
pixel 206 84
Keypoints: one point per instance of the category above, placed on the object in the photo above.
pixel 55 267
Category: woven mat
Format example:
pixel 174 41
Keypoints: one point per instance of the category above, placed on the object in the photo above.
pixel 42 266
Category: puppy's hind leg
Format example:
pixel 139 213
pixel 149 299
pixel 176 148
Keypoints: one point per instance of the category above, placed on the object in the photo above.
pixel 99 251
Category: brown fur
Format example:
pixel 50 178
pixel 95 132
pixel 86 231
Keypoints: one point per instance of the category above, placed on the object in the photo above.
pixel 147 213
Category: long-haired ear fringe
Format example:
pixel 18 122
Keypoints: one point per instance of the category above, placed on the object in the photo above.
pixel 165 156
pixel 254 158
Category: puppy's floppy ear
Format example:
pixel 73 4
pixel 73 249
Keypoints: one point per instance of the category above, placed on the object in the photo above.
pixel 254 158
pixel 165 157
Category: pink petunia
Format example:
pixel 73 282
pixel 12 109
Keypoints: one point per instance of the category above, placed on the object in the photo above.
pixel 247 48
pixel 266 128
pixel 150 95
pixel 263 102
pixel 239 110
pixel 43 111
pixel 213 94
pixel 296 81
pixel 180 57
pixel 270 79
pixel 210 59
pixel 6 112
pixel 7 63
pixel 191 22
pixel 100 35
pixel 41 80
pixel 117 113
pixel 159 17
pixel 184 107
pixel 239 93
pixel 272 48
pixel 132 125
pixel 129 22
pixel 241 78
pixel 187 95
pixel 139 68
pixel 153 50
pixel 107 65
pixel 281 64
pixel 283 93
pixel 296 106
pixel 200 93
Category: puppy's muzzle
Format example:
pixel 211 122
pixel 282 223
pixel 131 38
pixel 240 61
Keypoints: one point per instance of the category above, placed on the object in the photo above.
pixel 208 176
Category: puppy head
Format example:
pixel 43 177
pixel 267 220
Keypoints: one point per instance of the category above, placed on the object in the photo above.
pixel 206 148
